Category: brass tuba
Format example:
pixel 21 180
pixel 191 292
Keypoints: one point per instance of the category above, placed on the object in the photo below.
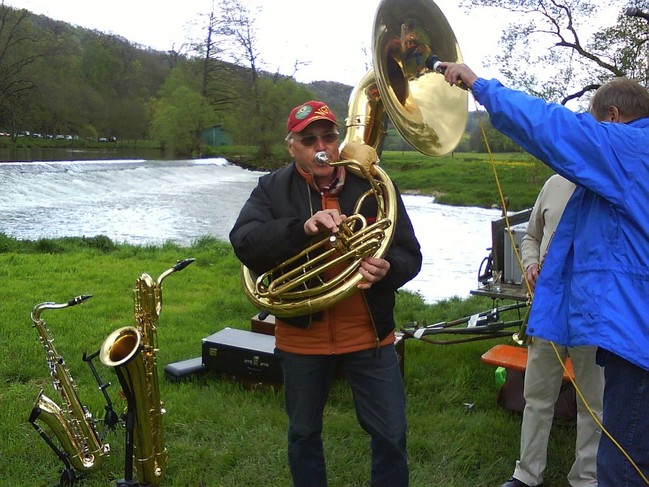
pixel 427 112
pixel 71 422
pixel 131 350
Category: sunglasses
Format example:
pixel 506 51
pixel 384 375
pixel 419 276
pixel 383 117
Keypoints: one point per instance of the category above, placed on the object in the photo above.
pixel 309 140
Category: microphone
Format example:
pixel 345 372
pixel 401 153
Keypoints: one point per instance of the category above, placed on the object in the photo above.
pixel 637 12
pixel 433 63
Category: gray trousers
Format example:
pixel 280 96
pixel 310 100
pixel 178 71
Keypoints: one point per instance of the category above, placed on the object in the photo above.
pixel 543 377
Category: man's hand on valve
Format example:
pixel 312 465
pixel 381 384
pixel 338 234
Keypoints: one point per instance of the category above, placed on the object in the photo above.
pixel 324 221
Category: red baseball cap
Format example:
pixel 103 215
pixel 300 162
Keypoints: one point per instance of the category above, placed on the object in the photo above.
pixel 308 112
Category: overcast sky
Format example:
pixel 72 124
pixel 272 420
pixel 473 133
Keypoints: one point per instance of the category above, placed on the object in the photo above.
pixel 334 37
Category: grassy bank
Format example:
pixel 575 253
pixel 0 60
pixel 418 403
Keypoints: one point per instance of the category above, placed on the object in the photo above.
pixel 467 179
pixel 217 433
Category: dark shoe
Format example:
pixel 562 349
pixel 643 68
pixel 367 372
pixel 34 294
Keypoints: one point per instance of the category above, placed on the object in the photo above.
pixel 517 483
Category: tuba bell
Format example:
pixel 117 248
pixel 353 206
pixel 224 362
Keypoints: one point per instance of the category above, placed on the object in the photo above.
pixel 429 114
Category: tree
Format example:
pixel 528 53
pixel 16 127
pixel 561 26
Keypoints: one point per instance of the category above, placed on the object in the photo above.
pixel 276 98
pixel 497 141
pixel 179 117
pixel 23 46
pixel 263 98
pixel 217 77
pixel 549 51
pixel 237 32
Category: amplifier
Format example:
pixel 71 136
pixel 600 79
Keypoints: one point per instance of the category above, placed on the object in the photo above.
pixel 244 354
pixel 512 270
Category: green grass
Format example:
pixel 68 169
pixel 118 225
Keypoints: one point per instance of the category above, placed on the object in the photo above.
pixel 218 433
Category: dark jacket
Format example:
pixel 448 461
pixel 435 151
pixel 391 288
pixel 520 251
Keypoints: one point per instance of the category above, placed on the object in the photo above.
pixel 270 229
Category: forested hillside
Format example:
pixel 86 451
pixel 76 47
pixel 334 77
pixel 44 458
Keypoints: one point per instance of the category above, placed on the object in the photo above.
pixel 60 79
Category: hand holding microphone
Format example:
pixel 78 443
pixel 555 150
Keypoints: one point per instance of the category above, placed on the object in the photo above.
pixel 455 74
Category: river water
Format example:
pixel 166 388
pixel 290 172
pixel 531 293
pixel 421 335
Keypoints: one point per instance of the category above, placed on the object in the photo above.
pixel 151 202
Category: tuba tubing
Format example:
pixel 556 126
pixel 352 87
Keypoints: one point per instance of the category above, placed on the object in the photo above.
pixel 284 290
pixel 288 289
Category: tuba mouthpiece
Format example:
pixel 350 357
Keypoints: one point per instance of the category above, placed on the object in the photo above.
pixel 321 158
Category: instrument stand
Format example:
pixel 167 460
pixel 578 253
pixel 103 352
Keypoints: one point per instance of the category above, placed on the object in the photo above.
pixel 68 475
pixel 128 480
pixel 129 420
pixel 111 418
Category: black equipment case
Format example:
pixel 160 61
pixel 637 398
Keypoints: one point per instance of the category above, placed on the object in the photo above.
pixel 242 354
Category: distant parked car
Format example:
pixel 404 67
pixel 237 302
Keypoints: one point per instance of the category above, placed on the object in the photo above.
pixel 103 139
pixel 113 139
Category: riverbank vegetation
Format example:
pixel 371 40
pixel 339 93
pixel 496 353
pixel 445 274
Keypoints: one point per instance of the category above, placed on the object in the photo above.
pixel 217 432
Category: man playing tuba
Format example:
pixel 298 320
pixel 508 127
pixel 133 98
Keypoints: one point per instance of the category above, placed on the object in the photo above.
pixel 288 209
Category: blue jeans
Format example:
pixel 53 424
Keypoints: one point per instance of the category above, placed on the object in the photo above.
pixel 626 403
pixel 379 399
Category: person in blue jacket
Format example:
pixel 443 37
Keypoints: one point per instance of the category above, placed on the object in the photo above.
pixel 594 288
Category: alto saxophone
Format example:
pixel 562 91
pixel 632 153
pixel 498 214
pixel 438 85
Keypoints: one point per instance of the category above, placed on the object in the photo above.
pixel 71 422
pixel 131 351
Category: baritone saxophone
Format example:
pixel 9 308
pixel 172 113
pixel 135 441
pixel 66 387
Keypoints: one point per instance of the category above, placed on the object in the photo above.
pixel 131 351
